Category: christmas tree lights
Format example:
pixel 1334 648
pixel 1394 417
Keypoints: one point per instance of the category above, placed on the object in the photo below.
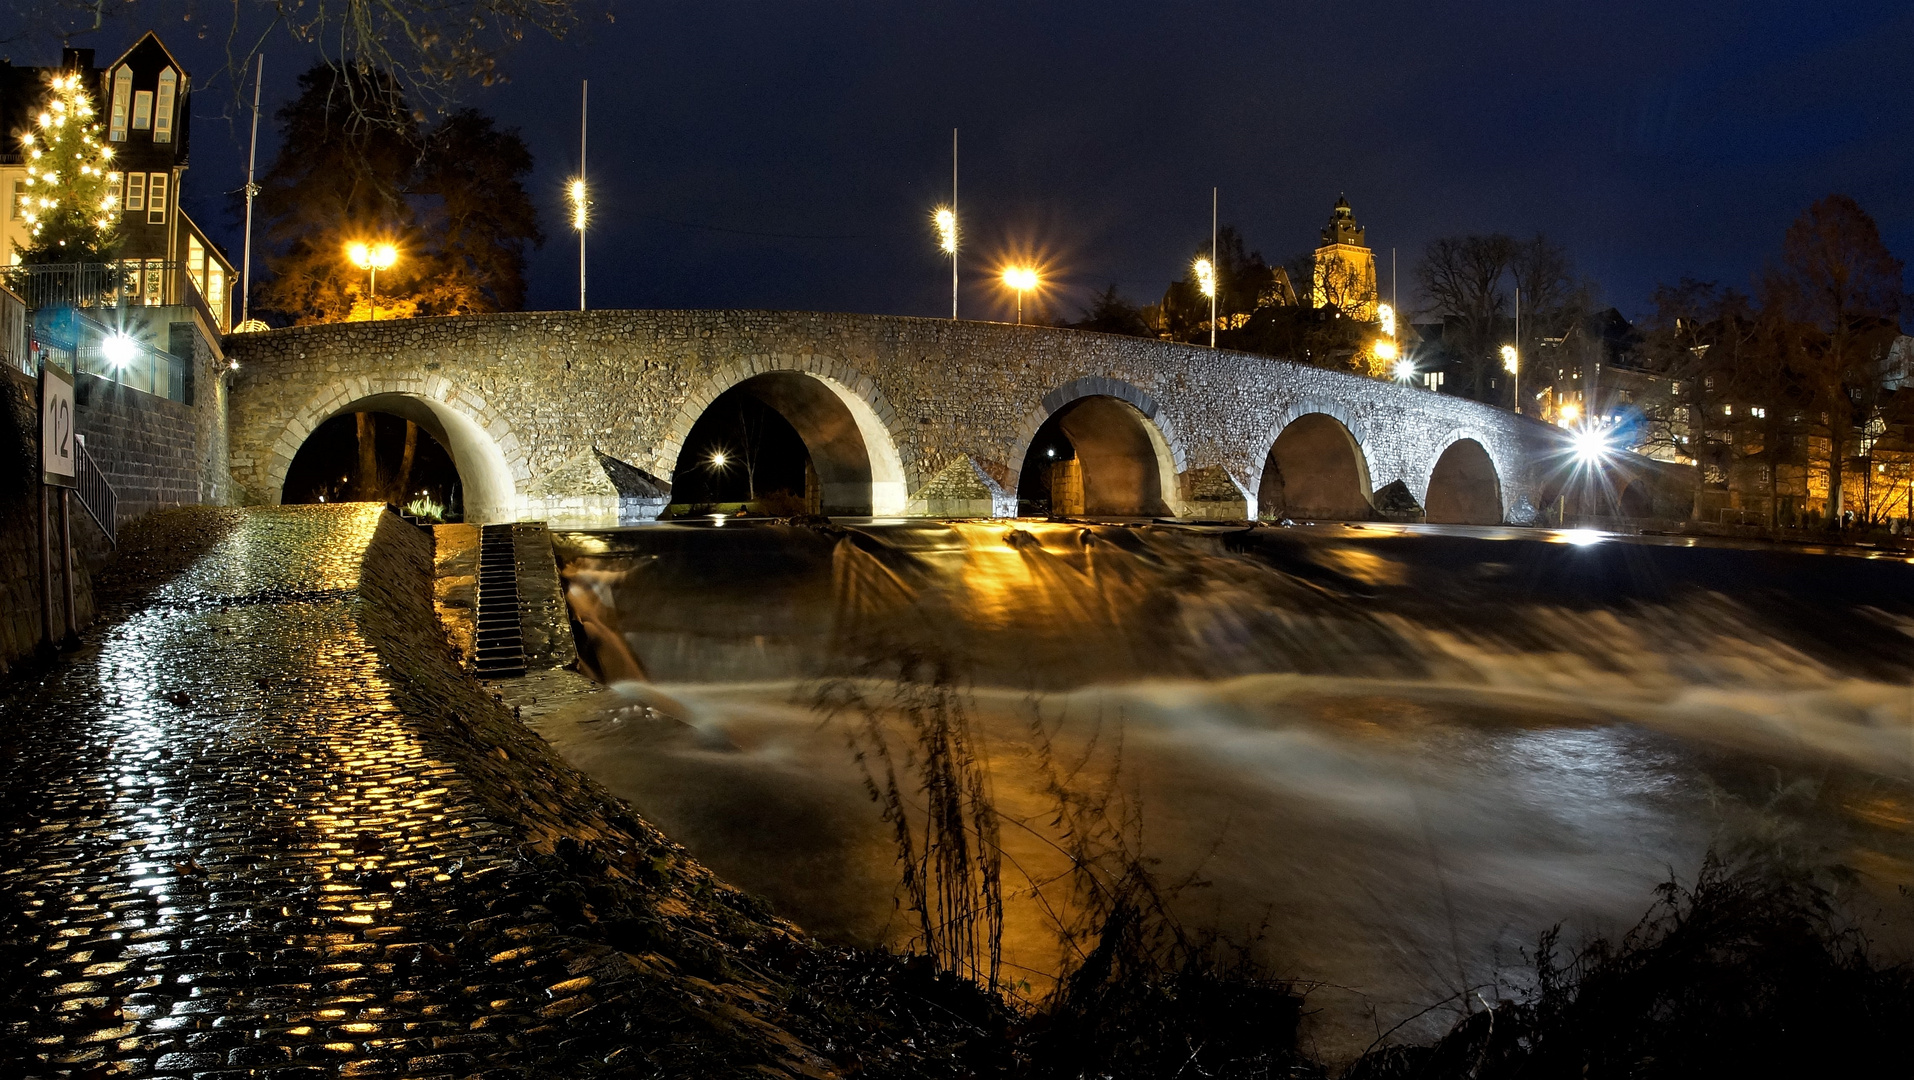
pixel 72 200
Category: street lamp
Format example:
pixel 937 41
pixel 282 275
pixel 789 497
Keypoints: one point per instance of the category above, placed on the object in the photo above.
pixel 944 220
pixel 1405 370
pixel 1205 272
pixel 1512 363
pixel 1021 279
pixel 372 258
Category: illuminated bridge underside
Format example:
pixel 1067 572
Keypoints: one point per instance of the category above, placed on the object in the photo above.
pixel 902 417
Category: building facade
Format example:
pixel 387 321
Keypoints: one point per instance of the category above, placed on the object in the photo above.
pixel 143 103
pixel 1345 271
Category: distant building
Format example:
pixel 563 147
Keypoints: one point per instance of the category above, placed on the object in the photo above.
pixel 1345 271
pixel 143 99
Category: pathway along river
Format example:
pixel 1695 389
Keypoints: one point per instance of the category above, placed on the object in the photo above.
pixel 1403 753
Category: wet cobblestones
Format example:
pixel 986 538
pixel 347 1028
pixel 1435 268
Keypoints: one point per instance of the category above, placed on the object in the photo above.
pixel 253 830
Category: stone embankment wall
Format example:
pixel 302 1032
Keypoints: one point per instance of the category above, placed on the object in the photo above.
pixel 524 401
pixel 156 453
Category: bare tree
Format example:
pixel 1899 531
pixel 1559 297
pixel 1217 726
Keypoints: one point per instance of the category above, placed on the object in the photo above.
pixel 428 46
pixel 1461 280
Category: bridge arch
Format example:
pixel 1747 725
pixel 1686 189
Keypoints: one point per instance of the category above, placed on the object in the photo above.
pixel 486 453
pixel 844 422
pixel 1317 465
pixel 1463 486
pixel 1129 454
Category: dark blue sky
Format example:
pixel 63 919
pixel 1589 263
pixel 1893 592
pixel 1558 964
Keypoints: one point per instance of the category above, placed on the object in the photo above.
pixel 786 155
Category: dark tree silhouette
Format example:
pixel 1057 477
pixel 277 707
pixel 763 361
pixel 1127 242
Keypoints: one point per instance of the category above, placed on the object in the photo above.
pixel 1837 281
pixel 356 165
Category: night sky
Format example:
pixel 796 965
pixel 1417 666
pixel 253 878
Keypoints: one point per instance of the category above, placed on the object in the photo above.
pixel 786 155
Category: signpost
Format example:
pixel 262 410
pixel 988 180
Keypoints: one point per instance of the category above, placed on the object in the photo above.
pixel 59 467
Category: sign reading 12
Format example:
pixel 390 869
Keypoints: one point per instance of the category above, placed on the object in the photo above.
pixel 57 464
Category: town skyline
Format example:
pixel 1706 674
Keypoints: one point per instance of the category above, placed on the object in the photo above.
pixel 725 178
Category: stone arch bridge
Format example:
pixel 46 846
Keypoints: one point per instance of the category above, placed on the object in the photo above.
pixel 580 417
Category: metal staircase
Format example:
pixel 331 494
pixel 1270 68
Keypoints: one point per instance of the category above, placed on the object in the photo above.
pixel 500 640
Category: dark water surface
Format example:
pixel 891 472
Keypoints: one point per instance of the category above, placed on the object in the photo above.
pixel 1401 752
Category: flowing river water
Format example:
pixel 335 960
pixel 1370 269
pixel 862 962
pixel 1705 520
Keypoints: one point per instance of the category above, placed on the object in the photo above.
pixel 1385 757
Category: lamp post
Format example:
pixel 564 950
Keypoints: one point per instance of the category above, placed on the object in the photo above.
pixel 1020 279
pixel 1512 363
pixel 576 192
pixel 372 258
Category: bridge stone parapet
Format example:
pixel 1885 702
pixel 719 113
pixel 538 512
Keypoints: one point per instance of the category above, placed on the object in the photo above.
pixel 944 412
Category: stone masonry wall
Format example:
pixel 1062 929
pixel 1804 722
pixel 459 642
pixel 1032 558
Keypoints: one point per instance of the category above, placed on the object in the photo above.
pixel 147 446
pixel 548 388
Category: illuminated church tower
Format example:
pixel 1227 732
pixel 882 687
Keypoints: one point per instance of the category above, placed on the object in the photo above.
pixel 1345 267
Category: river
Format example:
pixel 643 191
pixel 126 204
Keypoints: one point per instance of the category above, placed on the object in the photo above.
pixel 1384 757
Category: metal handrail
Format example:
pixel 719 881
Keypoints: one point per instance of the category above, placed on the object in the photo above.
pixel 102 503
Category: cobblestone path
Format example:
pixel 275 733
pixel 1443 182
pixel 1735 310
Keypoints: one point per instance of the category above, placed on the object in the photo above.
pixel 227 850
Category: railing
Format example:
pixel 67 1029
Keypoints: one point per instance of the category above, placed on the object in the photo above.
pixel 128 283
pixel 102 503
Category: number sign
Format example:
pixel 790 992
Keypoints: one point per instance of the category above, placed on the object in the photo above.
pixel 58 459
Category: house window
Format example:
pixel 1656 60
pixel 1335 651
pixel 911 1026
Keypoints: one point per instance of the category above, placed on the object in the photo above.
pixel 142 110
pixel 196 263
pixel 163 108
pixel 135 191
pixel 154 267
pixel 156 199
pixel 216 291
pixel 122 100
pixel 18 204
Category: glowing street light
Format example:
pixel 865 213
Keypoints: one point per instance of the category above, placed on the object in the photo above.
pixel 944 220
pixel 1387 316
pixel 718 459
pixel 1205 272
pixel 372 258
pixel 1405 370
pixel 1512 363
pixel 1021 279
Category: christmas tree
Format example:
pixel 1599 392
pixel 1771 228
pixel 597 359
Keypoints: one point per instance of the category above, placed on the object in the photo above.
pixel 73 195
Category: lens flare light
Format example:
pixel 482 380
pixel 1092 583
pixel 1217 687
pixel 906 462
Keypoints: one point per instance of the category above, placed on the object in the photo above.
pixel 944 220
pixel 1405 370
pixel 1508 359
pixel 1386 315
pixel 119 349
pixel 1592 442
pixel 1205 273
pixel 581 203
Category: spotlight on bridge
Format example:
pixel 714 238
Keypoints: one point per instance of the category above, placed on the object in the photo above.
pixel 1592 442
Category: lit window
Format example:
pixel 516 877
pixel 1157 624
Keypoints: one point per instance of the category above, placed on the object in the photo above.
pixel 196 263
pixel 216 291
pixel 1727 410
pixel 122 100
pixel 156 199
pixel 142 110
pixel 135 191
pixel 19 199
pixel 163 108
pixel 154 269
